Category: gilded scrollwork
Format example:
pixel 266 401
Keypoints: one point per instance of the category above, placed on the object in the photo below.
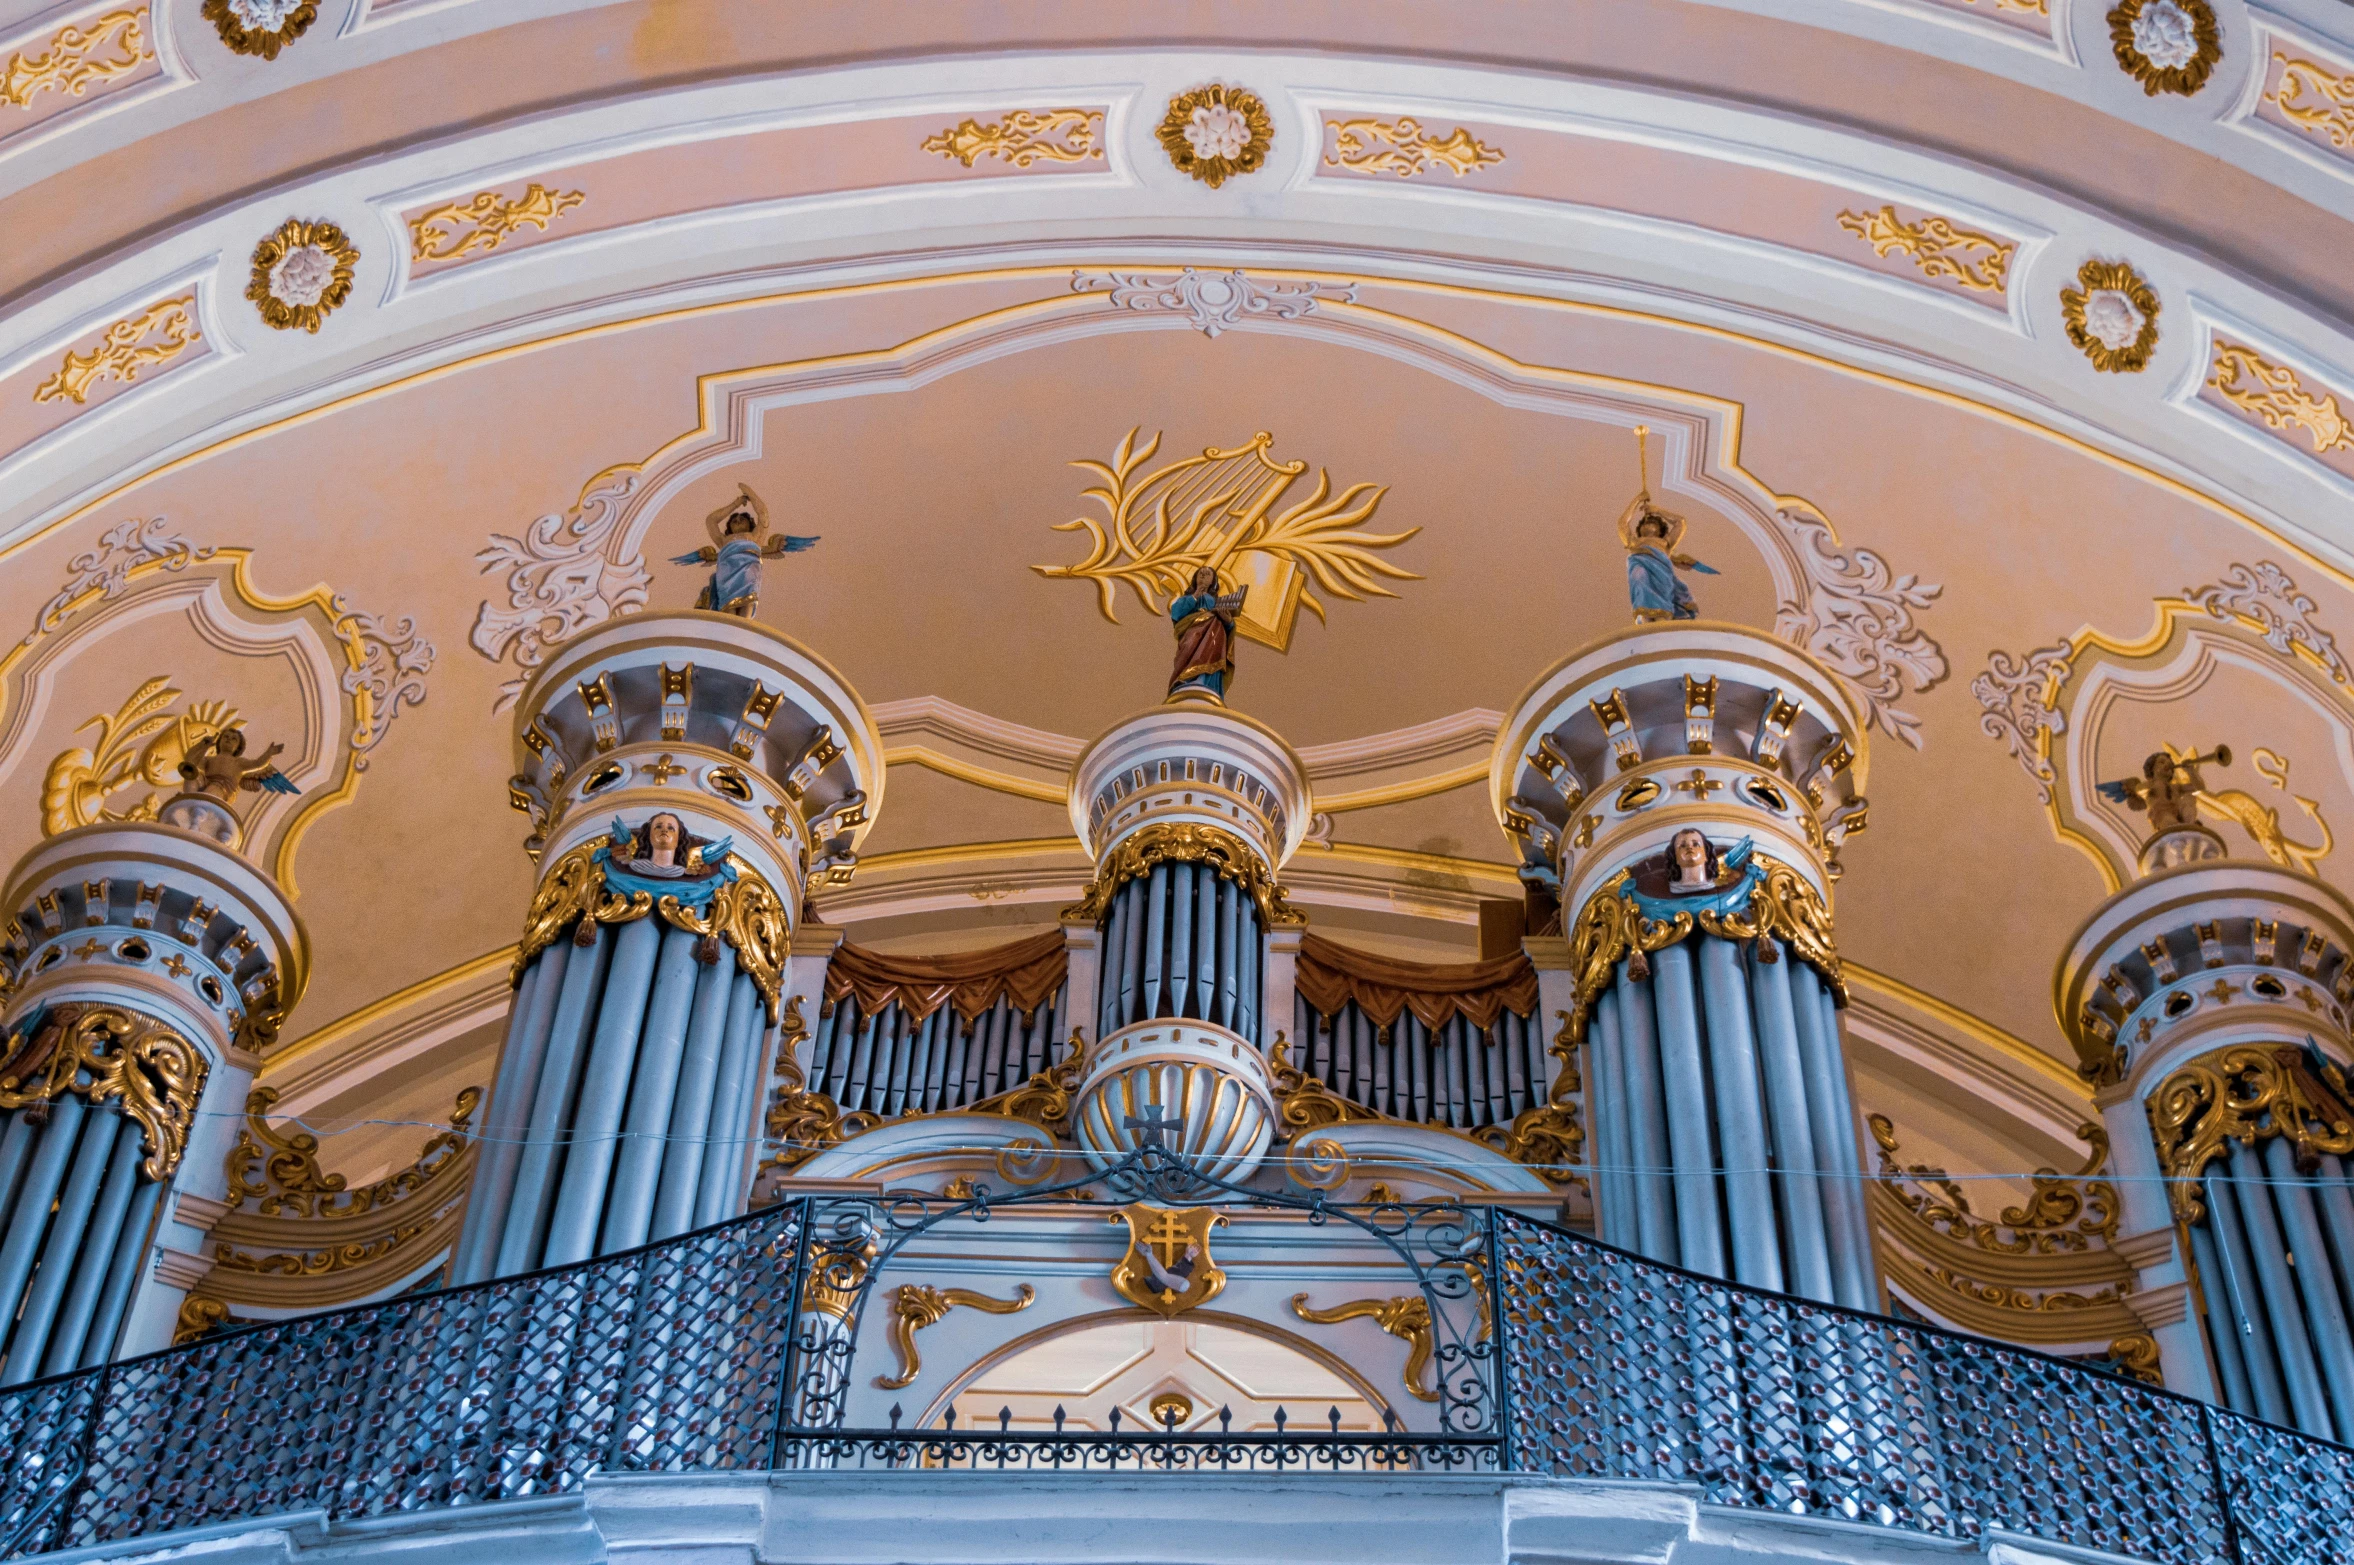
pixel 572 897
pixel 747 914
pixel 153 336
pixel 484 221
pixel 281 1174
pixel 1045 1099
pixel 1406 1317
pixel 2315 99
pixel 802 1123
pixel 109 1054
pixel 1405 148
pixel 79 58
pixel 2278 396
pixel 1023 137
pixel 1610 927
pixel 1186 842
pixel 915 1305
pixel 2246 1094
pixel 2005 1297
pixel 1302 1102
pixel 1549 1137
pixel 198 1316
pixel 2064 1214
pixel 1938 247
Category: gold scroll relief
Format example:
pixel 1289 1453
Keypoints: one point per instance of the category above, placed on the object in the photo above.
pixel 1404 148
pixel 1181 842
pixel 2315 99
pixel 155 1074
pixel 915 1305
pixel 746 913
pixel 1406 1317
pixel 79 58
pixel 485 221
pixel 156 335
pixel 1022 138
pixel 2278 396
pixel 1940 249
pixel 2066 1214
pixel 2246 1094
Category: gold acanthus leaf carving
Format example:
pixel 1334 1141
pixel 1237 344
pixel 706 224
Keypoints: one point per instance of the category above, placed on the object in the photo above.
pixel 1023 138
pixel 2135 26
pixel 265 42
pixel 2246 1094
pixel 141 742
pixel 2328 112
pixel 1216 509
pixel 1404 148
pixel 803 1123
pixel 485 220
pixel 915 1305
pixel 1304 1104
pixel 320 1263
pixel 1045 1099
pixel 155 1074
pixel 1185 842
pixel 1549 1137
pixel 156 335
pixel 1939 248
pixel 2276 394
pixel 281 1175
pixel 2137 1355
pixel 79 58
pixel 198 1315
pixel 1782 906
pixel 2066 1213
pixel 2003 1297
pixel 1406 1317
pixel 746 913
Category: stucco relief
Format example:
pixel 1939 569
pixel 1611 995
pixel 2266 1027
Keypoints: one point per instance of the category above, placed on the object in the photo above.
pixel 1857 616
pixel 1211 301
pixel 567 571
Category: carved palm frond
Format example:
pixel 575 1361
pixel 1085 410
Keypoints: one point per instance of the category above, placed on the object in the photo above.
pixel 1317 536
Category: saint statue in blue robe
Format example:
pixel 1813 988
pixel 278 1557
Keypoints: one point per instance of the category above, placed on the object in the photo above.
pixel 1652 584
pixel 1205 638
pixel 740 541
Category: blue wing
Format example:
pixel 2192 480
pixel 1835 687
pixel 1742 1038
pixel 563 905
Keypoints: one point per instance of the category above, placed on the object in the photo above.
pixel 716 852
pixel 1737 856
pixel 622 836
pixel 1690 564
pixel 695 558
pixel 790 543
pixel 276 781
pixel 2116 792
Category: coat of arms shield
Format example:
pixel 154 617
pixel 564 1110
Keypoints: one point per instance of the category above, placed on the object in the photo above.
pixel 1168 1268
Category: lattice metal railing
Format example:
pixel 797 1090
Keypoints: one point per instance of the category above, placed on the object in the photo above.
pixel 708 1352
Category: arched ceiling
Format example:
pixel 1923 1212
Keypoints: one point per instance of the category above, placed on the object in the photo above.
pixel 900 267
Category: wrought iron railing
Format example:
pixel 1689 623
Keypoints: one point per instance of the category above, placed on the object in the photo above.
pixel 697 1354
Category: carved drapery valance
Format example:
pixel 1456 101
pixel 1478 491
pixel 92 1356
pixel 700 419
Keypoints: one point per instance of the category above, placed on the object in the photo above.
pixel 1186 842
pixel 108 1053
pixel 2247 1093
pixel 745 912
pixel 1329 976
pixel 1025 974
pixel 1772 902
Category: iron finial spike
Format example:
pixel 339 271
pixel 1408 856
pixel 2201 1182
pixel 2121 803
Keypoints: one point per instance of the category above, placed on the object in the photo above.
pixel 1334 1415
pixel 895 1415
pixel 1058 1418
pixel 1115 1418
pixel 1225 1420
pixel 1005 1419
pixel 950 1421
pixel 1279 1420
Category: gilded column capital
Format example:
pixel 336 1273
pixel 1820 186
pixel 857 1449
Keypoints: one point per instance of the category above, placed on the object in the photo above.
pixel 130 1058
pixel 2247 1094
pixel 1186 842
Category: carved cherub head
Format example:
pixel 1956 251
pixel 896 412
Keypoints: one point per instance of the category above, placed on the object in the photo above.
pixel 1694 858
pixel 229 741
pixel 664 833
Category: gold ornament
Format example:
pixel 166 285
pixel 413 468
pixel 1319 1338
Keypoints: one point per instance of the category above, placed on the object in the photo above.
pixel 265 42
pixel 2111 296
pixel 746 913
pixel 156 335
pixel 2004 1297
pixel 1303 1103
pixel 2328 114
pixel 1023 138
pixel 1216 132
pixel 79 782
pixel 1782 906
pixel 915 1305
pixel 484 221
pixel 1045 1099
pixel 1938 247
pixel 79 58
pixel 198 1315
pixel 804 1123
pixel 1402 147
pixel 1406 1317
pixel 2276 394
pixel 1213 510
pixel 2189 75
pixel 2261 821
pixel 1168 1268
pixel 2066 1214
pixel 2246 1093
pixel 156 1074
pixel 2137 1355
pixel 1548 1137
pixel 287 282
pixel 1184 842
pixel 281 1175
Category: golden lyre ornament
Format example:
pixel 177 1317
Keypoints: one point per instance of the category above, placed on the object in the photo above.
pixel 1168 1268
pixel 143 741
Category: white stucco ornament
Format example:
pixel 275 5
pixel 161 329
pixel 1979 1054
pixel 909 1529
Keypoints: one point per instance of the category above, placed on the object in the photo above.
pixel 2166 35
pixel 266 16
pixel 2110 317
pixel 1216 131
pixel 302 276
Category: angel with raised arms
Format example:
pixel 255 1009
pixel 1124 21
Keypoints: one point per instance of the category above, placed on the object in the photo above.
pixel 740 541
pixel 215 765
pixel 1652 537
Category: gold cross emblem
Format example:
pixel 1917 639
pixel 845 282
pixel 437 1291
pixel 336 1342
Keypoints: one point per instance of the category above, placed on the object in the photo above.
pixel 87 949
pixel 2308 999
pixel 663 769
pixel 1699 785
pixel 175 964
pixel 778 816
pixel 2221 990
pixel 1168 1268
